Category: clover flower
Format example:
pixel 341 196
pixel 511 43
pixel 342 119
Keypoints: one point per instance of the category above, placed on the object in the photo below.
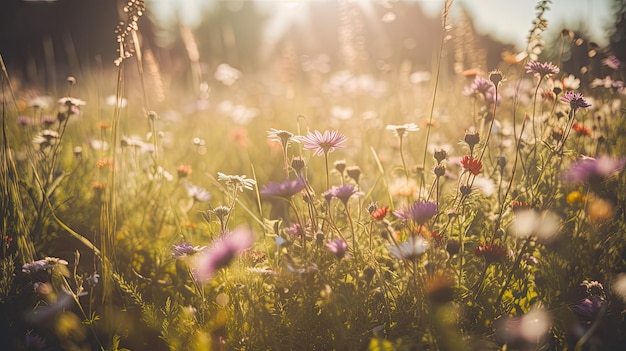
pixel 338 247
pixel 401 130
pixel 183 250
pixel 419 212
pixel 541 69
pixel 412 249
pixel 239 182
pixel 379 213
pixel 221 253
pixel 471 164
pixel 285 189
pixel 575 100
pixel 323 144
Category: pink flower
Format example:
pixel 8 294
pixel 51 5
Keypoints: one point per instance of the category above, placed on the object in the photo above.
pixel 541 69
pixel 221 253
pixel 575 100
pixel 323 144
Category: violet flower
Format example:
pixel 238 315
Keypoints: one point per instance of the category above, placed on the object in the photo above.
pixel 221 253
pixel 285 189
pixel 338 247
pixel 419 212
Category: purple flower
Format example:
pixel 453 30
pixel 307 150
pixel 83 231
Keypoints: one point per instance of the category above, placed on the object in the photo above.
pixel 592 170
pixel 185 249
pixel 286 189
pixel 221 253
pixel 45 264
pixel 338 247
pixel 541 69
pixel 323 144
pixel 411 249
pixel 481 85
pixel 48 120
pixel 295 230
pixel 612 62
pixel 588 308
pixel 25 121
pixel 575 100
pixel 342 192
pixel 419 212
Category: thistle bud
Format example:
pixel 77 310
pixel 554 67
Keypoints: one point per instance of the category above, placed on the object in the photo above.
pixel 440 155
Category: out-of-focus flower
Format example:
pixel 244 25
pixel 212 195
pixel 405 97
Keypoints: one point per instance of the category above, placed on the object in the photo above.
pixel 184 250
pixel 571 82
pixel 98 145
pixel 341 112
pixel 530 329
pixel 42 102
pixel 612 62
pixel 544 225
pixel 338 247
pixel 491 252
pixel 471 164
pixel 323 144
pixel 134 142
pixel 541 69
pixel 197 193
pixel 354 172
pixel 93 279
pixel 46 138
pixel 581 129
pixel 575 100
pixel 112 100
pixel 239 182
pixel 401 130
pixel 183 171
pixel 44 264
pixel 25 121
pixel 286 189
pixel 226 74
pixel 282 136
pixel 412 249
pixel 593 170
pixel 48 120
pixel 221 253
pixel 343 192
pixel 419 212
pixel 619 286
pixel 588 308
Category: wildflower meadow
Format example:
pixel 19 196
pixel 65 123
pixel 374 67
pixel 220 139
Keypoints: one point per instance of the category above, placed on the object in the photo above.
pixel 313 204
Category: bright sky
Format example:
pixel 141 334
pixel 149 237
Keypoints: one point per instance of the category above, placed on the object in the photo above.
pixel 511 19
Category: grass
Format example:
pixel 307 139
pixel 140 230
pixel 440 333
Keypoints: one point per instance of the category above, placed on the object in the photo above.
pixel 203 220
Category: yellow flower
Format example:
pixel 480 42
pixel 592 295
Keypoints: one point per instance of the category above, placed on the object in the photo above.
pixel 575 197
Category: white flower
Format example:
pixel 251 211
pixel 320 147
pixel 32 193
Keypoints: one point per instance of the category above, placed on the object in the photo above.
pixel 545 225
pixel 571 83
pixel 227 74
pixel 401 130
pixel 238 181
pixel 199 194
pixel 411 249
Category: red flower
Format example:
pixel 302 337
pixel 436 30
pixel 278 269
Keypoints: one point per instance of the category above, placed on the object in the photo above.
pixel 491 252
pixel 581 129
pixel 471 164
pixel 380 213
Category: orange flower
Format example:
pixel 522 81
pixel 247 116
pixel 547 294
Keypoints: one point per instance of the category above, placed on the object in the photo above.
pixel 581 129
pixel 471 164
